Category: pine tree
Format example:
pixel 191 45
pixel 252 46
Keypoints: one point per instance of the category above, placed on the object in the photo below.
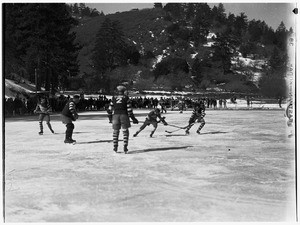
pixel 273 83
pixel 223 50
pixel 281 35
pixel 43 39
pixel 111 50
pixel 13 51
pixel 201 23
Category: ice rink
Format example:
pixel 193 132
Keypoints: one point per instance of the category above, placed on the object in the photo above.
pixel 241 168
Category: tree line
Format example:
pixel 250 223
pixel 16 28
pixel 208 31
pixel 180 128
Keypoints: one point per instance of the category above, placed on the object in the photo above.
pixel 40 45
pixel 190 23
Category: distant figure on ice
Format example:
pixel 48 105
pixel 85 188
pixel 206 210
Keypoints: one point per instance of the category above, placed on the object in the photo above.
pixel 197 116
pixel 280 102
pixel 69 115
pixel 119 112
pixel 44 109
pixel 248 101
pixel 289 115
pixel 162 105
pixel 181 105
pixel 152 119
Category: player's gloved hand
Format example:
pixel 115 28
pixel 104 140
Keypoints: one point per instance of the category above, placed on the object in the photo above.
pixel 165 123
pixel 134 120
pixel 75 116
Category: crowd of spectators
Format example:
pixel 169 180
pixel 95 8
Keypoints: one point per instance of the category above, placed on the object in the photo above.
pixel 25 106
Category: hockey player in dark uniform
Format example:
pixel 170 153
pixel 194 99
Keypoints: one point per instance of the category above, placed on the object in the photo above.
pixel 152 119
pixel 69 115
pixel 44 109
pixel 197 116
pixel 119 112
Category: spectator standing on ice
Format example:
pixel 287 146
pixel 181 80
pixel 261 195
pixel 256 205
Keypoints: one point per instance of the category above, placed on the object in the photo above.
pixel 44 109
pixel 197 116
pixel 225 102
pixel 290 118
pixel 162 105
pixel 181 105
pixel 248 101
pixel 279 102
pixel 220 103
pixel 119 112
pixel 152 119
pixel 68 115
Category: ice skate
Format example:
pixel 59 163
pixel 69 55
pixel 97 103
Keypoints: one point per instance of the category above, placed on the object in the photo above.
pixel 187 132
pixel 198 131
pixel 41 133
pixel 52 131
pixel 115 149
pixel 125 149
pixel 69 141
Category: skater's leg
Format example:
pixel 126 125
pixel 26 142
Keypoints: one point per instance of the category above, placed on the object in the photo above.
pixel 50 127
pixel 187 131
pixel 202 123
pixel 146 123
pixel 116 139
pixel 41 127
pixel 69 132
pixel 47 119
pixel 155 127
pixel 41 119
pixel 125 139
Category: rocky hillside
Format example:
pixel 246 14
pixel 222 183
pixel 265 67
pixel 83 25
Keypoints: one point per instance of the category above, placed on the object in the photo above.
pixel 204 50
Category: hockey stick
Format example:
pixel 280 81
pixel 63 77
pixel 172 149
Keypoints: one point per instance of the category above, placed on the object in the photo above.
pixel 179 128
pixel 170 132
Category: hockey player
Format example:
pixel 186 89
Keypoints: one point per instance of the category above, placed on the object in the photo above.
pixel 44 109
pixel 197 115
pixel 69 115
pixel 152 119
pixel 119 112
pixel 289 115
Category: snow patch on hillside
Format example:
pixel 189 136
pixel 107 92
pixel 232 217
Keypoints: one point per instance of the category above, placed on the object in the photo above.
pixel 152 35
pixel 194 55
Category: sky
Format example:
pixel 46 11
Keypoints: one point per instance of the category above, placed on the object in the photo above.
pixel 272 13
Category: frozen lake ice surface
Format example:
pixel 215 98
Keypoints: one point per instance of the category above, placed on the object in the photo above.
pixel 241 168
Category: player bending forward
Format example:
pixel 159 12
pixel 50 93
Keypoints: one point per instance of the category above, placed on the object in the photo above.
pixel 68 115
pixel 119 112
pixel 151 119
pixel 197 115
pixel 44 109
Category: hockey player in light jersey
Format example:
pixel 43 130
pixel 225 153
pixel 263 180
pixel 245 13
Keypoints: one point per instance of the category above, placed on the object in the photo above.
pixel 119 112
pixel 152 119
pixel 43 108
pixel 197 116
